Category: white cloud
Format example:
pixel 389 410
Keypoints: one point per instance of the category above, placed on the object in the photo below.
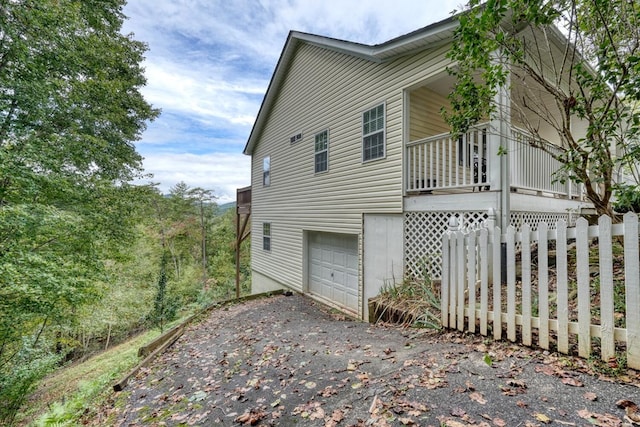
pixel 202 94
pixel 210 62
pixel 222 173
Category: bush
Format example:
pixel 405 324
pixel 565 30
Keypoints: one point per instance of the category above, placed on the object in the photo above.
pixel 627 198
pixel 19 377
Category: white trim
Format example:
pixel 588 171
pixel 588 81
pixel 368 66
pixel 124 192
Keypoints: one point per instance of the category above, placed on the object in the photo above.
pixel 384 132
pixel 267 236
pixel 266 171
pixel 315 135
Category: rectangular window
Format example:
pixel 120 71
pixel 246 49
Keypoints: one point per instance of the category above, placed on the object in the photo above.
pixel 373 133
pixel 322 152
pixel 266 171
pixel 266 236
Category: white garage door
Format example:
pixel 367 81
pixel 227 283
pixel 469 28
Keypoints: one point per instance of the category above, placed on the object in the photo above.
pixel 333 268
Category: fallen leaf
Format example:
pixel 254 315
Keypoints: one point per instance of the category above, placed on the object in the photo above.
pixel 335 419
pixel 605 420
pixel 590 396
pixel 458 412
pixel 310 384
pixel 521 404
pixel 252 417
pixel 406 421
pixel 542 418
pixel 630 410
pixel 477 397
pixel 487 359
pixel 546 369
pixel 499 422
pixel 572 382
pixel 517 383
pixel 198 396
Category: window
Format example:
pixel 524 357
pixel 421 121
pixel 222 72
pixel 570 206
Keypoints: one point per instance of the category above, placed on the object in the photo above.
pixel 266 171
pixel 373 133
pixel 266 236
pixel 322 152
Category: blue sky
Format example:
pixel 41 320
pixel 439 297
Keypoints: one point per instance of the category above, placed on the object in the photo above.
pixel 209 64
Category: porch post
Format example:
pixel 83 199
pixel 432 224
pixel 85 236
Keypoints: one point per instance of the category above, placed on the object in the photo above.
pixel 502 121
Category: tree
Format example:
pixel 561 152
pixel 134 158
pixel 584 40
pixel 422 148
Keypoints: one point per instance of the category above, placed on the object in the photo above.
pixel 588 71
pixel 204 200
pixel 70 109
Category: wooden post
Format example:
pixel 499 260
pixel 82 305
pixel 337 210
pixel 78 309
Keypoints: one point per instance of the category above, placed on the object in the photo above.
pixel 584 296
pixel 243 207
pixel 632 289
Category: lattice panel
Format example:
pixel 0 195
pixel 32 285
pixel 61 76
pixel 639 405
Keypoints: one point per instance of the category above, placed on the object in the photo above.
pixel 423 235
pixel 535 218
pixel 423 239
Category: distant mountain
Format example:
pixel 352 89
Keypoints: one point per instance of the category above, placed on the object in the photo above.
pixel 223 208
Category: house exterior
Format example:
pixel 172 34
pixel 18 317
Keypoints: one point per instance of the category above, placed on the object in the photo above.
pixel 355 174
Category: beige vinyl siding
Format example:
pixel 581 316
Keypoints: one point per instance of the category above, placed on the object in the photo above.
pixel 328 90
pixel 425 119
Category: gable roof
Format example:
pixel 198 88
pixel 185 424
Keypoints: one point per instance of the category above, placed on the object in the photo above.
pixel 430 36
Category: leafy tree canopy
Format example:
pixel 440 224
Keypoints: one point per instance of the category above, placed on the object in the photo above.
pixel 70 110
pixel 577 64
pixel 69 94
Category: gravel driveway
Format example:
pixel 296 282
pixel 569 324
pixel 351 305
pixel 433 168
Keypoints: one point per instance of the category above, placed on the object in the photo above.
pixel 287 360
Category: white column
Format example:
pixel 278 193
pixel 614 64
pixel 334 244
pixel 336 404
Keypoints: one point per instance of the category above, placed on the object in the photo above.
pixel 501 123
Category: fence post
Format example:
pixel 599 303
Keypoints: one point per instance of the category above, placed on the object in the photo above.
pixel 632 289
pixel 491 225
pixel 607 319
pixel 584 297
pixel 453 270
pixel 444 280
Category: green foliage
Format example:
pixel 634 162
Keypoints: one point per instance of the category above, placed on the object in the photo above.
pixel 70 107
pixel 18 379
pixel 164 307
pixel 589 82
pixel 415 301
pixel 627 198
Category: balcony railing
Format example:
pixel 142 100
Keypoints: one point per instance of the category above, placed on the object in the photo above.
pixel 445 163
pixel 534 169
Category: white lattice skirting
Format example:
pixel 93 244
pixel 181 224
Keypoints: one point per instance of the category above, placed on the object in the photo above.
pixel 423 235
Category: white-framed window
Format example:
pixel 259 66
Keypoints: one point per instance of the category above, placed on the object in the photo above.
pixel 321 158
pixel 266 236
pixel 266 171
pixel 373 124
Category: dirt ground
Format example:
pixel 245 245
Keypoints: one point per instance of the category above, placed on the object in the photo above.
pixel 287 360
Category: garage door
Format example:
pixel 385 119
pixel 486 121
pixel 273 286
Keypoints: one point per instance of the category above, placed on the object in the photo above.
pixel 333 268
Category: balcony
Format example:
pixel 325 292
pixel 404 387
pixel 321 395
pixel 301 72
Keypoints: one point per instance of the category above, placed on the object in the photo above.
pixel 443 164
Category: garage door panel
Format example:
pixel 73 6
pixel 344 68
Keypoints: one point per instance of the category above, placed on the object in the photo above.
pixel 333 268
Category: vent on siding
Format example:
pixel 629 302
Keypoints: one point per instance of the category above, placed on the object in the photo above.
pixel 295 138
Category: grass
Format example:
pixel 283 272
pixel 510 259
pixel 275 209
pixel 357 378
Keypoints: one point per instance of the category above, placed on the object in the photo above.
pixel 75 391
pixel 411 302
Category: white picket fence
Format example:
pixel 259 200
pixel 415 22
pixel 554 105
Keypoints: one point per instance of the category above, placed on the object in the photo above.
pixel 539 303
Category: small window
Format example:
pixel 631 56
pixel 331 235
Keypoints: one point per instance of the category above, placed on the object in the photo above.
pixel 266 236
pixel 322 152
pixel 373 133
pixel 266 171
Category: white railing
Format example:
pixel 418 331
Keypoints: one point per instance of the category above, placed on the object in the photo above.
pixel 534 169
pixel 535 304
pixel 444 162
